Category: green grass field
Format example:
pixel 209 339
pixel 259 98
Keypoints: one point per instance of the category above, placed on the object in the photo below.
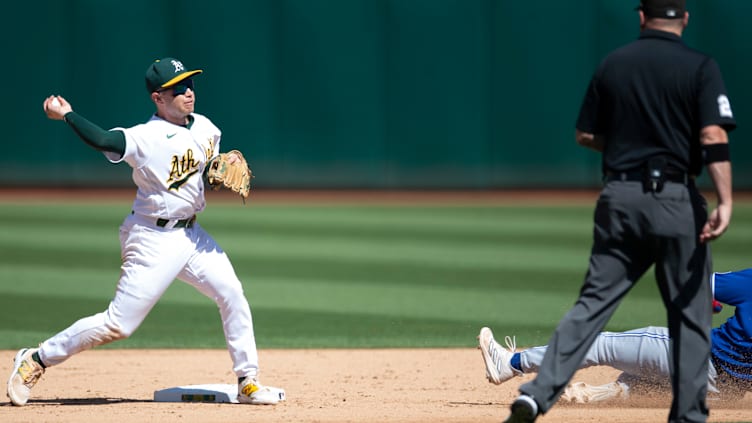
pixel 331 275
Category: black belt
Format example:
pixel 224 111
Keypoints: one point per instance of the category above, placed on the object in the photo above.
pixel 639 176
pixel 184 223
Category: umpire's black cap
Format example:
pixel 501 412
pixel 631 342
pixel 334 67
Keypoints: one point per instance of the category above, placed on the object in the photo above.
pixel 665 9
pixel 166 72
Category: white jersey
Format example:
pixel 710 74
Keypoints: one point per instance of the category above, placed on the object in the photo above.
pixel 168 162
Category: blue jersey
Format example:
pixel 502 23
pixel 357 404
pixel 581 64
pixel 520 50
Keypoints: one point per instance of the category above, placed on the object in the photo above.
pixel 732 341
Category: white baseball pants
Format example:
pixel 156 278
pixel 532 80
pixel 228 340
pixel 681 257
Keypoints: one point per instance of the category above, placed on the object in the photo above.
pixel 152 258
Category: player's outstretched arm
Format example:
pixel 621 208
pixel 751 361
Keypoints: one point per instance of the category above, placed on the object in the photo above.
pixel 58 108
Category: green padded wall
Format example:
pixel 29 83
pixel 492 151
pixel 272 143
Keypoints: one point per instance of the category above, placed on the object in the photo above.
pixel 466 94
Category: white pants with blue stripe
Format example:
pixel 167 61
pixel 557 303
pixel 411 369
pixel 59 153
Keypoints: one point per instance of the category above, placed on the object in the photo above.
pixel 642 354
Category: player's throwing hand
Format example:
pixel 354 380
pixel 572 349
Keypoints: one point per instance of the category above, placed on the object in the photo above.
pixel 56 107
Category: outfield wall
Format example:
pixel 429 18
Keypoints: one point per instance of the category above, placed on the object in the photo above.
pixel 343 93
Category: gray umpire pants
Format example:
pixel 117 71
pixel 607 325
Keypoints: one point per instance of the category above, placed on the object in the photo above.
pixel 633 230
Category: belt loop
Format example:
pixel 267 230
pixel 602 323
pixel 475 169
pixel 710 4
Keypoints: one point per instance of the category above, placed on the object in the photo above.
pixel 623 176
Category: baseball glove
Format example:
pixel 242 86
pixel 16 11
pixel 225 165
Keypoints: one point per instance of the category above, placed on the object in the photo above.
pixel 231 173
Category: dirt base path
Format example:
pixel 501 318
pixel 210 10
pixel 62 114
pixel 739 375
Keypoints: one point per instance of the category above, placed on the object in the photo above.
pixel 394 385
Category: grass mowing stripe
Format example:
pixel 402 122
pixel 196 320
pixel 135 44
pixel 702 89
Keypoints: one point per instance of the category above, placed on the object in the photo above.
pixel 66 282
pixel 451 303
pixel 61 258
pixel 427 223
pixel 170 325
pixel 432 254
pixel 329 251
pixel 362 273
pixel 84 235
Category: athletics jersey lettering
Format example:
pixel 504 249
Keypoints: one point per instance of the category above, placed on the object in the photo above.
pixel 167 171
pixel 181 169
pixel 210 149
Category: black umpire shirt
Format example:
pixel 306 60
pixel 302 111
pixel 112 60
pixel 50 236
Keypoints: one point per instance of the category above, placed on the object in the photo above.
pixel 651 98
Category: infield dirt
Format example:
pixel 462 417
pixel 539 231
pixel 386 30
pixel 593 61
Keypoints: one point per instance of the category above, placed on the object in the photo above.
pixel 381 385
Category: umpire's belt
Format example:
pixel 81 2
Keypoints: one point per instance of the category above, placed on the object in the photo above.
pixel 182 223
pixel 639 176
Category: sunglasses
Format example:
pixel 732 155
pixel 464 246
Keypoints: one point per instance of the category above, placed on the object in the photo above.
pixel 180 88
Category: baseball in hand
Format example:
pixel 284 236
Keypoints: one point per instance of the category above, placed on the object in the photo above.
pixel 55 102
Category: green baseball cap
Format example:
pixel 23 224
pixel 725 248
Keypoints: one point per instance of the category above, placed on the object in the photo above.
pixel 166 72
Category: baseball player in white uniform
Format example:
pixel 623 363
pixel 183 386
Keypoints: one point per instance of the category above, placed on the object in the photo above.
pixel 160 239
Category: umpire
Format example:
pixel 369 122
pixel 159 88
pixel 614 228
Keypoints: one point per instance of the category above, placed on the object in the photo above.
pixel 657 111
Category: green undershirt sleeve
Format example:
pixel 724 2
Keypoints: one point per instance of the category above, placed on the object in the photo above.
pixel 95 136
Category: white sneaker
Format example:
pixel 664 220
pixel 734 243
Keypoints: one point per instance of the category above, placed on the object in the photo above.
pixel 582 393
pixel 250 391
pixel 26 374
pixel 497 358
